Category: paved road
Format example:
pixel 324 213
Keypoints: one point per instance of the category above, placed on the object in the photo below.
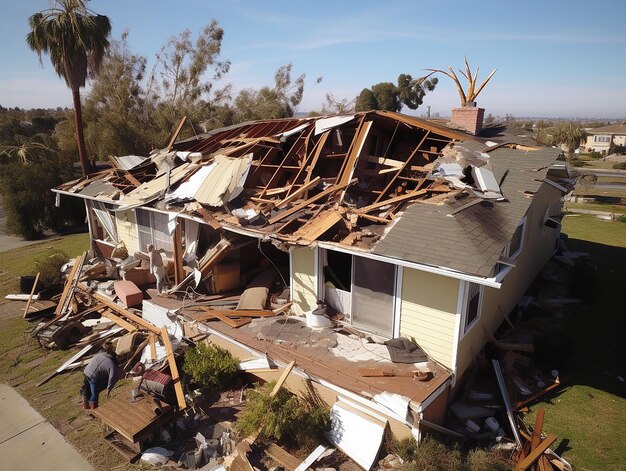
pixel 28 441
pixel 8 242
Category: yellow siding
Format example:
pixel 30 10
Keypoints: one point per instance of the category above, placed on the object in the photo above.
pixel 539 242
pixel 127 230
pixel 428 312
pixel 303 278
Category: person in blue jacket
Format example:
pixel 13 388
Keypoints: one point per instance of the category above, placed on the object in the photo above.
pixel 101 373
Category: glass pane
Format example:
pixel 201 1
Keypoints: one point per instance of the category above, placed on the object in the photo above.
pixel 373 296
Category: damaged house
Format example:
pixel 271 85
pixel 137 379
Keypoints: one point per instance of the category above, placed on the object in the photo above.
pixel 393 226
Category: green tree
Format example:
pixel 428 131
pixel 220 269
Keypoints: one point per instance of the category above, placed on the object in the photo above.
pixel 569 134
pixel 366 101
pixel 76 40
pixel 387 96
pixel 178 84
pixel 271 103
pixel 337 106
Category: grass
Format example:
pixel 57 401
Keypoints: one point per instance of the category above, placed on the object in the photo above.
pixel 21 261
pixel 588 413
pixel 23 363
pixel 609 208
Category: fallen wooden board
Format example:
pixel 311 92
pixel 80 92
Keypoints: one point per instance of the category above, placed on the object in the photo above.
pixel 282 457
pixel 535 454
pixel 126 313
pixel 384 372
pixel 70 284
pixel 312 458
pixel 180 395
pixel 119 321
pixel 234 323
pixel 30 298
pixel 537 395
pixel 237 312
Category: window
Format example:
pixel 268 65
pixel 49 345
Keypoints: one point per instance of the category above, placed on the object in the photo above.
pixel 473 302
pixel 153 229
pixel 511 251
pixel 517 241
pixel 601 138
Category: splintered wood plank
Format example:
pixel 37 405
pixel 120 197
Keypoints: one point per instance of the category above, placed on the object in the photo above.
pixel 351 160
pixel 397 199
pixel 214 223
pixel 126 313
pixel 153 352
pixel 282 457
pixel 216 255
pixel 282 379
pixel 536 438
pixel 234 323
pixel 30 297
pixel 535 454
pixel 315 227
pixel 176 133
pixel 119 321
pixel 69 284
pixel 384 372
pixel 297 193
pixel 317 151
pixel 288 212
pixel 237 313
pixel 171 361
pixel 401 169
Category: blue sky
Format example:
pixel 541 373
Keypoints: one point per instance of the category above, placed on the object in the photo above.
pixel 554 58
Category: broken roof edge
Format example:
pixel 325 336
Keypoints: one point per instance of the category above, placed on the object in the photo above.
pixel 438 270
pixel 85 197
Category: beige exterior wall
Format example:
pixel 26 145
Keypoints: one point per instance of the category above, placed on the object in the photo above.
pixel 127 230
pixel 428 313
pixel 303 279
pixel 539 243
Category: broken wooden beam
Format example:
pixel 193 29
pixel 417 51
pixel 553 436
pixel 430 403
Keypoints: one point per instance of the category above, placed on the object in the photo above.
pixel 126 313
pixel 288 212
pixel 297 193
pixel 171 361
pixel 535 454
pixel 234 323
pixel 397 199
pixel 30 297
pixel 119 321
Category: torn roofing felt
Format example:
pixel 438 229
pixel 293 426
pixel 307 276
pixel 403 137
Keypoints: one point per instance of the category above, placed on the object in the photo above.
pixel 375 181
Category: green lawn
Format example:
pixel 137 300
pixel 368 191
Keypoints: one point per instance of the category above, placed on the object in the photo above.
pixel 589 413
pixel 609 208
pixel 21 261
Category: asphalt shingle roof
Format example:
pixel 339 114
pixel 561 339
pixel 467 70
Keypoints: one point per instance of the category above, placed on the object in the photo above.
pixel 472 239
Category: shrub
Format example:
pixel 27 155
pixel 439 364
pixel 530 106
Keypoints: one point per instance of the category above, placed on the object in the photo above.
pixel 49 268
pixel 406 449
pixel 209 366
pixel 293 420
pixel 621 218
pixel 620 166
pixel 433 455
pixel 483 460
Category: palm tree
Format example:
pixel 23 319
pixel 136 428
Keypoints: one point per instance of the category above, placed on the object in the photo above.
pixel 570 134
pixel 76 40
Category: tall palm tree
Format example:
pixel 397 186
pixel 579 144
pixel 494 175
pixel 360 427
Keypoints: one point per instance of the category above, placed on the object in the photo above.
pixel 76 40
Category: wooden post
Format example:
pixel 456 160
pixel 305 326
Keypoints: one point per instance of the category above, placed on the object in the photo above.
pixel 30 298
pixel 180 395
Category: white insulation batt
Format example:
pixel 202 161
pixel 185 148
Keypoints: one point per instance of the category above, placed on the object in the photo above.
pixel 356 434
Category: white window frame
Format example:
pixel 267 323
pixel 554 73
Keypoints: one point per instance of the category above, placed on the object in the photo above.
pixel 465 327
pixel 503 270
pixel 397 302
pixel 167 245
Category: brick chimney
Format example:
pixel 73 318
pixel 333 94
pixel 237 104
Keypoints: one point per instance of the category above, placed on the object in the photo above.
pixel 468 118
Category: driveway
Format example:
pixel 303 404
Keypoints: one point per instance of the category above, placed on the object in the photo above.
pixel 28 441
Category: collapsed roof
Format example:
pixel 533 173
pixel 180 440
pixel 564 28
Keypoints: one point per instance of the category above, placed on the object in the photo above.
pixel 382 182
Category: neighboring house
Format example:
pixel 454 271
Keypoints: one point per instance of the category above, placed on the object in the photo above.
pixel 404 227
pixel 606 138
